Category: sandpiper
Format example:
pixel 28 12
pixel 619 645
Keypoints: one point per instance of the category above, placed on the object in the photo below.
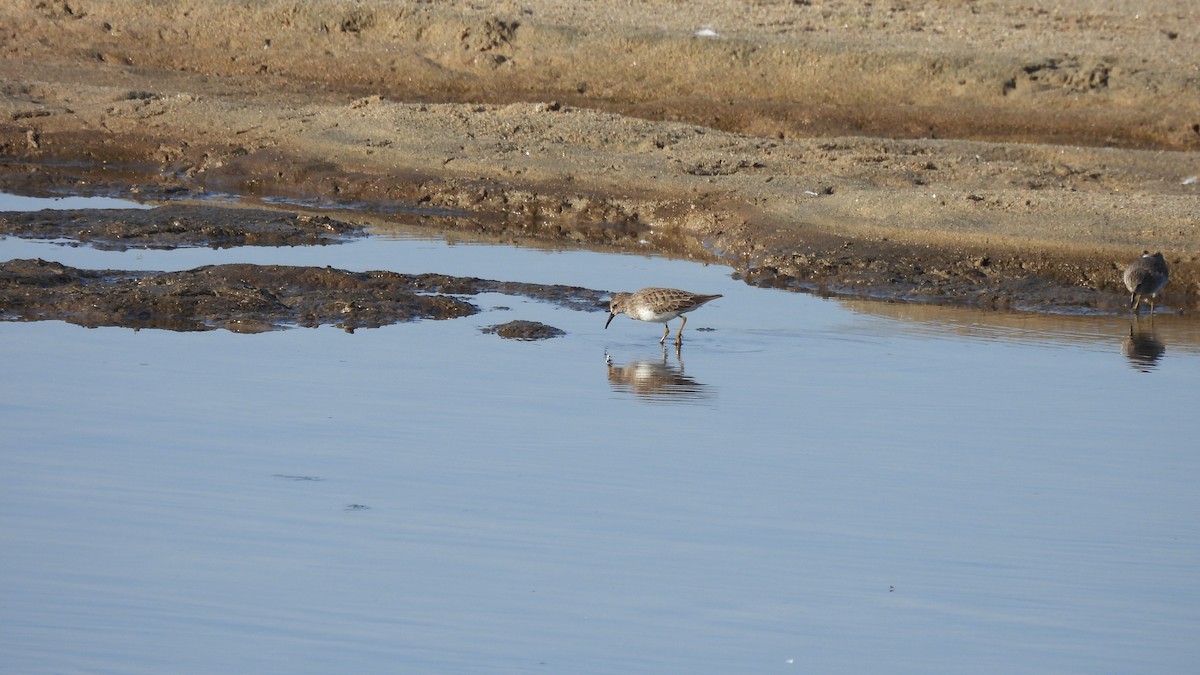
pixel 1144 277
pixel 657 305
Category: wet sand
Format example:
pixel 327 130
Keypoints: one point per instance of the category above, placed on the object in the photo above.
pixel 989 153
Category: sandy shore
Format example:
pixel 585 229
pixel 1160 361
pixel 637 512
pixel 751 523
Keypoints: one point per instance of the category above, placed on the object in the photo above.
pixel 987 153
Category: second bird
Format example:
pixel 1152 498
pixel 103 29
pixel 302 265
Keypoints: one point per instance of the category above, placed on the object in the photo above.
pixel 1145 277
pixel 657 305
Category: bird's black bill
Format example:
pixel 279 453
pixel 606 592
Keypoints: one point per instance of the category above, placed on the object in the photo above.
pixel 610 318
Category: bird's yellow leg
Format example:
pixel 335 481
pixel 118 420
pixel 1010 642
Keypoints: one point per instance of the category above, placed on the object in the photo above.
pixel 666 332
pixel 679 335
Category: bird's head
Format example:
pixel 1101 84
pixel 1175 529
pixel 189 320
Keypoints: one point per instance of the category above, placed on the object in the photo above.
pixel 616 306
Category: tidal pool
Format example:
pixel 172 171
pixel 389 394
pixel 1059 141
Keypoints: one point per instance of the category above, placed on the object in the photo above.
pixel 809 485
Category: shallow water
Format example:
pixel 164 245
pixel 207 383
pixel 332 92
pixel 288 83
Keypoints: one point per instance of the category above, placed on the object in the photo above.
pixel 808 486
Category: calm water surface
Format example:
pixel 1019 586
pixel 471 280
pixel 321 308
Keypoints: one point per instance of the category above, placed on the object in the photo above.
pixel 810 486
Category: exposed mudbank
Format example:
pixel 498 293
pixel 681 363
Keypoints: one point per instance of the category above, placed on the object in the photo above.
pixel 249 298
pixel 176 226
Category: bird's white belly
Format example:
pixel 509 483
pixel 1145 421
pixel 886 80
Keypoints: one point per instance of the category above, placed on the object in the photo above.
pixel 646 314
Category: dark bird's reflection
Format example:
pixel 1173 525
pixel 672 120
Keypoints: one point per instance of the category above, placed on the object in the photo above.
pixel 656 380
pixel 1142 347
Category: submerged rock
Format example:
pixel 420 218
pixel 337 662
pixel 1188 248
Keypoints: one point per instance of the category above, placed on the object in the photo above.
pixel 524 330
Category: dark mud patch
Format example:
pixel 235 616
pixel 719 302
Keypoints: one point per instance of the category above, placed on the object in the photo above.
pixel 177 226
pixel 249 298
pixel 524 330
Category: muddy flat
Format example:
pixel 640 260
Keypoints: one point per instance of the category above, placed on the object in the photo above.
pixel 251 298
pixel 176 226
pixel 996 154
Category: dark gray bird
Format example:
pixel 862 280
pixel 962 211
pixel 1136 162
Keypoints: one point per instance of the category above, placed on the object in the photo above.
pixel 1144 278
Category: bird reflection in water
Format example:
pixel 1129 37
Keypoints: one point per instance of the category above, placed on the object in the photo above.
pixel 1142 347
pixel 655 380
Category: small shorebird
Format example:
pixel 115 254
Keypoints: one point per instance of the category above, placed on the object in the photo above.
pixel 657 305
pixel 1144 277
